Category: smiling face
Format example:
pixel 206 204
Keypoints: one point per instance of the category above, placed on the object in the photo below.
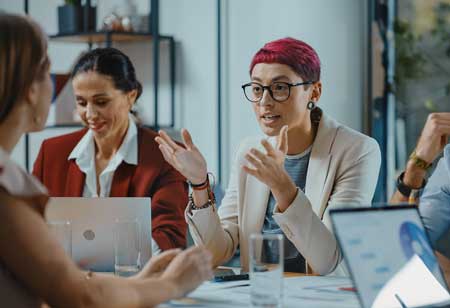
pixel 102 108
pixel 272 115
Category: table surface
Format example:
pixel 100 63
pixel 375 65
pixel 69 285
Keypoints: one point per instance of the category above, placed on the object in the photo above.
pixel 299 290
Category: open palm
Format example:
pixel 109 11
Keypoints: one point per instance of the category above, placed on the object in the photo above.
pixel 187 160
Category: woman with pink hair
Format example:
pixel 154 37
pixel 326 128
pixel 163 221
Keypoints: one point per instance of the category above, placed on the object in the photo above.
pixel 286 183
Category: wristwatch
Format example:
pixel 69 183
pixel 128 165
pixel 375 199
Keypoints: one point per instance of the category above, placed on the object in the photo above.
pixel 419 162
pixel 404 189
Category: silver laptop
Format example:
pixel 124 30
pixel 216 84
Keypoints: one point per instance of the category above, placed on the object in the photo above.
pixel 92 221
pixel 389 256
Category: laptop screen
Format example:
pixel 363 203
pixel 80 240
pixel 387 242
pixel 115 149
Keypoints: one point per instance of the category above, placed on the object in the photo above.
pixel 386 249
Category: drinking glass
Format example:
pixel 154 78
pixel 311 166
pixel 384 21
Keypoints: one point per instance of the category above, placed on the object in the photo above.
pixel 266 270
pixel 127 252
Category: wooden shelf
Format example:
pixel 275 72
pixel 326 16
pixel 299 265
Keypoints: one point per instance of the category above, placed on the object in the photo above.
pixel 104 36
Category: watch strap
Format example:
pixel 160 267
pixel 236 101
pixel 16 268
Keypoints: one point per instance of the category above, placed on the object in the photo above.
pixel 404 189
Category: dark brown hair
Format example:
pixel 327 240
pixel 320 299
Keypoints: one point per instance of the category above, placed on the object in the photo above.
pixel 113 63
pixel 23 59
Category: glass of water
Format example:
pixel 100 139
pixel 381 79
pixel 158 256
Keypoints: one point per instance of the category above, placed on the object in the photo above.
pixel 266 270
pixel 62 231
pixel 127 253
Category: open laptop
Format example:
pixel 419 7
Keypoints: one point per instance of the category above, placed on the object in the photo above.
pixel 389 256
pixel 92 224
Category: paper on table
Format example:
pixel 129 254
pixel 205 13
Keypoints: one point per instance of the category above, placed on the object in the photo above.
pixel 415 285
pixel 320 292
pixel 316 291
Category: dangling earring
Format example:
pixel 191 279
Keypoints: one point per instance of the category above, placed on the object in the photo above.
pixel 311 105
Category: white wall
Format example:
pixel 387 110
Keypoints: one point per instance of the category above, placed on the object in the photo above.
pixel 333 27
pixel 193 24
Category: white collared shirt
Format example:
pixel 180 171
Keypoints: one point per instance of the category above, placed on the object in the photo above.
pixel 84 155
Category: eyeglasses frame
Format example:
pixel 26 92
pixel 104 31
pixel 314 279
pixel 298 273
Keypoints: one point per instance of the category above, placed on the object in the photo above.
pixel 290 85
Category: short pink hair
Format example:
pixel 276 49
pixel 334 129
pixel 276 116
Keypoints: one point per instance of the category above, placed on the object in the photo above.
pixel 298 55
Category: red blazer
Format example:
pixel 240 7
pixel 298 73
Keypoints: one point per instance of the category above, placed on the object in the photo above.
pixel 152 177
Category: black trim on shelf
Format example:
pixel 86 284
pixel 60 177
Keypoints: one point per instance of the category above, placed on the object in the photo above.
pixel 27 152
pixel 368 112
pixel 27 136
pixel 172 80
pixel 112 33
pixel 154 9
pixel 108 41
pixel 219 92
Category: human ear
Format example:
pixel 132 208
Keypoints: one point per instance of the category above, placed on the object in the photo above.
pixel 30 104
pixel 31 96
pixel 131 96
pixel 316 92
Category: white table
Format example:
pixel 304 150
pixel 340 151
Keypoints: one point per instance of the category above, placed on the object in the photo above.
pixel 300 291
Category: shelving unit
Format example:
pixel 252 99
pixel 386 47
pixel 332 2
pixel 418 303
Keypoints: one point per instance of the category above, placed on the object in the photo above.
pixel 108 38
pixel 105 37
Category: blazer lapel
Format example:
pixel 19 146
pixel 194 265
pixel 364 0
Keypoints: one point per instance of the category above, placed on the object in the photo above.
pixel 315 180
pixel 121 181
pixel 255 204
pixel 253 212
pixel 319 164
pixel 74 181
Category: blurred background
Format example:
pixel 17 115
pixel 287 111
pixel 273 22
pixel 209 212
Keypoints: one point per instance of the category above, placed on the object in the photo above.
pixel 385 65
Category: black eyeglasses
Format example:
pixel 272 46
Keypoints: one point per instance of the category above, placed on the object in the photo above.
pixel 279 91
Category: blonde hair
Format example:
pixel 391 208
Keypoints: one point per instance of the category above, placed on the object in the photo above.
pixel 23 59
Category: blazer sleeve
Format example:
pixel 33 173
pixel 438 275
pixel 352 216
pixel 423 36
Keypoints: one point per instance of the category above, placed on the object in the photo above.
pixel 169 196
pixel 218 230
pixel 354 184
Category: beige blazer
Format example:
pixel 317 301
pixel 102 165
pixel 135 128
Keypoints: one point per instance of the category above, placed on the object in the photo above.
pixel 343 171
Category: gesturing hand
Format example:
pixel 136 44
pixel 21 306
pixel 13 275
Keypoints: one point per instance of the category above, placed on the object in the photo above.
pixel 269 169
pixel 189 269
pixel 434 136
pixel 157 264
pixel 188 160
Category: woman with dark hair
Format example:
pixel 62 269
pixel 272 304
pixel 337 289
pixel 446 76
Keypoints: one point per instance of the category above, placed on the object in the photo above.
pixel 33 266
pixel 287 183
pixel 112 156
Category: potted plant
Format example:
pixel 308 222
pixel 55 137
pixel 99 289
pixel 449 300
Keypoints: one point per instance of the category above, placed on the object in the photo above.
pixel 74 17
